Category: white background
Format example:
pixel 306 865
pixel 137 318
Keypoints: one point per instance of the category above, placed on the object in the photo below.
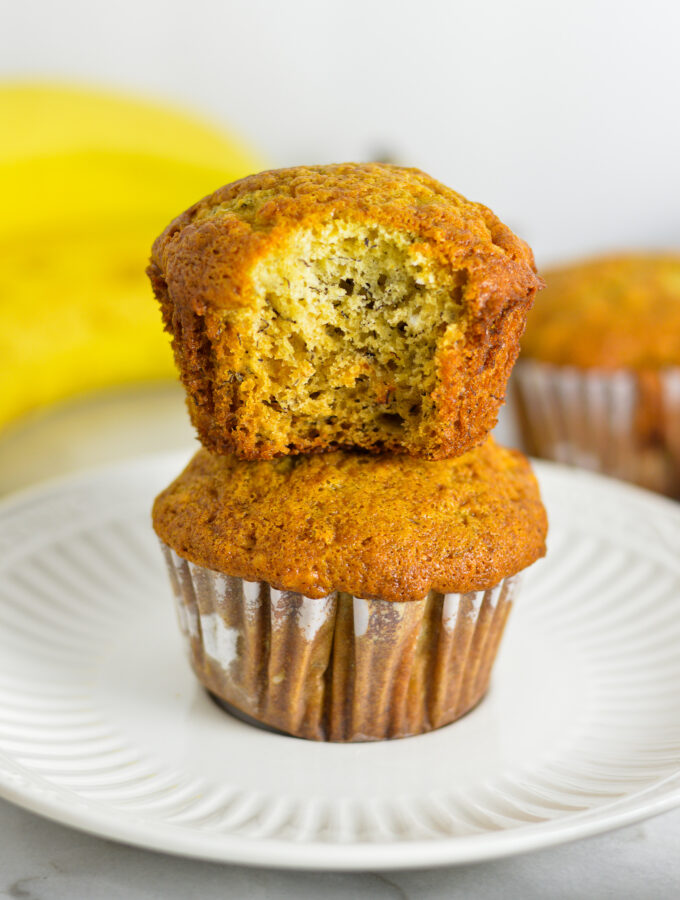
pixel 563 117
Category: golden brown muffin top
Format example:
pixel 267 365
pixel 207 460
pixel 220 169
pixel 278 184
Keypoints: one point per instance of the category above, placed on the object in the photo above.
pixel 390 527
pixel 613 312
pixel 206 254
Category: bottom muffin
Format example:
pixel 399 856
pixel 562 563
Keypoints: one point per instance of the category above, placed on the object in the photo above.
pixel 345 597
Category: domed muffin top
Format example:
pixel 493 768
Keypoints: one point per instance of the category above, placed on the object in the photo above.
pixel 389 527
pixel 612 312
pixel 205 255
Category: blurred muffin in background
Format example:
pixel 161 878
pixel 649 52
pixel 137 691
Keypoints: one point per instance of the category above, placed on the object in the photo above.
pixel 598 382
pixel 88 178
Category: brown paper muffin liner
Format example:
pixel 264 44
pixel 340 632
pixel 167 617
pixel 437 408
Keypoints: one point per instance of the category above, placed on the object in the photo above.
pixel 339 668
pixel 621 423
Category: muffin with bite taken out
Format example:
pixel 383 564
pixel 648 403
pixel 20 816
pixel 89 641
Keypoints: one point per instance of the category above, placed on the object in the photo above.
pixel 346 306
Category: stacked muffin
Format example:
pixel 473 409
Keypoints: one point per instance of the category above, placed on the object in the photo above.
pixel 345 548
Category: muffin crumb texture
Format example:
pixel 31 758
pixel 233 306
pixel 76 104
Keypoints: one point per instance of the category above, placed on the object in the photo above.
pixel 342 306
pixel 348 329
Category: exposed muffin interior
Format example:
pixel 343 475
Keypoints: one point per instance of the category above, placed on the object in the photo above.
pixel 339 307
pixel 344 332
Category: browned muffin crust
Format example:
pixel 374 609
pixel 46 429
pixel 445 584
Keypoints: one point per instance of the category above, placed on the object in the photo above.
pixel 342 306
pixel 377 527
pixel 616 312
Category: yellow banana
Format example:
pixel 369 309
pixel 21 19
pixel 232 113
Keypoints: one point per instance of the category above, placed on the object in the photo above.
pixel 88 179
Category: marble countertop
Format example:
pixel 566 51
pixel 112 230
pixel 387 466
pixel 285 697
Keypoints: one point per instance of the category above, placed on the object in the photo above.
pixel 42 860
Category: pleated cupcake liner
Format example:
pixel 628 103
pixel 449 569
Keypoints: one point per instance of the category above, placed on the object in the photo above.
pixel 339 668
pixel 621 423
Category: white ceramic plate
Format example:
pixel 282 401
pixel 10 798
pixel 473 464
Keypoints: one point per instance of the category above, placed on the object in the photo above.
pixel 103 727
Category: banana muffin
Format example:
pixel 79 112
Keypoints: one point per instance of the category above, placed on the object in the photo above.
pixel 346 306
pixel 598 383
pixel 345 596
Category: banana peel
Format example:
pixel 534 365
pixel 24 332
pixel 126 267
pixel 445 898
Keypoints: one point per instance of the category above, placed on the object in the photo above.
pixel 88 180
